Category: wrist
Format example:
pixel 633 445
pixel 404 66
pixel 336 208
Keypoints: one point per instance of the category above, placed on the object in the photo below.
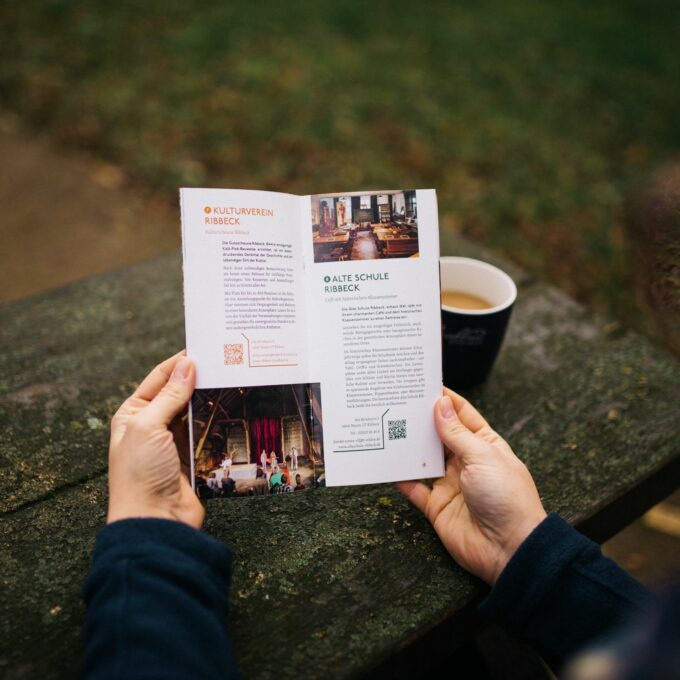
pixel 118 512
pixel 520 533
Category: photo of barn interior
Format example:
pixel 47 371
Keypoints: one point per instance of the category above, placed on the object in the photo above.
pixel 364 226
pixel 257 440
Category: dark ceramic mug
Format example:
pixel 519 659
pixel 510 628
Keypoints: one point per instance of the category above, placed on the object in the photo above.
pixel 471 338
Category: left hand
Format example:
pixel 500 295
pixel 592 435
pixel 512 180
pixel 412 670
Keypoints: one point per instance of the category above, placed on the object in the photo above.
pixel 145 476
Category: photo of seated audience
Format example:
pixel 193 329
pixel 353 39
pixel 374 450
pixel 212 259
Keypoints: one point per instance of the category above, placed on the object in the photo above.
pixel 254 441
pixel 364 226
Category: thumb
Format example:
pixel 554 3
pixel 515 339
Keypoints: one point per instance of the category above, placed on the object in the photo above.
pixel 172 399
pixel 455 436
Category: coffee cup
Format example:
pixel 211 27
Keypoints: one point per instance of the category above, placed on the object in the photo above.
pixel 477 301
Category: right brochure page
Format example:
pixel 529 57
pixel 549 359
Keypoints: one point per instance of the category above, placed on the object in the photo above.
pixel 373 306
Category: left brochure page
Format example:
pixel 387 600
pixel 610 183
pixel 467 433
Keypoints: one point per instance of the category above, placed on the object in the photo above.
pixel 247 333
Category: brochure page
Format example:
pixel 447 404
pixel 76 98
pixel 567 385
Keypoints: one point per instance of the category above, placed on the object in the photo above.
pixel 377 355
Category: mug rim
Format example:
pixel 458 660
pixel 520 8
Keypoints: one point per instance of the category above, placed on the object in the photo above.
pixel 489 267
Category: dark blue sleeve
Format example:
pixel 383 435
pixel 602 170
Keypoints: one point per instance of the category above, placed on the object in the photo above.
pixel 156 600
pixel 559 593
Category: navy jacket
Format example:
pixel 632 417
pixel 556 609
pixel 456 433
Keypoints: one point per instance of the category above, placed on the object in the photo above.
pixel 559 593
pixel 157 599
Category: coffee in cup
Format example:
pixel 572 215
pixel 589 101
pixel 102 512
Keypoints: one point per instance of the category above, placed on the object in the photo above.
pixel 477 301
pixel 461 300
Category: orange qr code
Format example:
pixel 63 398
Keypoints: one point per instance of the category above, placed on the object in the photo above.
pixel 233 355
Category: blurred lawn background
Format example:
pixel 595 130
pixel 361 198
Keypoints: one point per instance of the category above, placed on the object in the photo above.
pixel 533 120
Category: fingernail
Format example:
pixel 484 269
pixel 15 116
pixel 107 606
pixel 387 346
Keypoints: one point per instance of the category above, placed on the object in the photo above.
pixel 182 368
pixel 446 408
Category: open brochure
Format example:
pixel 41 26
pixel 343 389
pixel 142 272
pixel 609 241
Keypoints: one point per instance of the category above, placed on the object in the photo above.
pixel 314 324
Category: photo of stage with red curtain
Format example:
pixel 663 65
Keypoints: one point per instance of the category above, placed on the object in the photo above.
pixel 265 435
pixel 257 440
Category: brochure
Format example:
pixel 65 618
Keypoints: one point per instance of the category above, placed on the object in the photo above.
pixel 314 324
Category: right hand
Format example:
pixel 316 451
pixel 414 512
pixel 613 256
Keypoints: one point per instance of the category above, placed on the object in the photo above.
pixel 486 503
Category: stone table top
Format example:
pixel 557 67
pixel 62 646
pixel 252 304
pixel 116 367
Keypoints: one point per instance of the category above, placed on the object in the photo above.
pixel 346 577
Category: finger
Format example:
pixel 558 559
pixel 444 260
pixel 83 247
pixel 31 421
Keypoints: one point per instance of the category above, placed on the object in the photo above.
pixel 154 382
pixel 416 492
pixel 128 408
pixel 451 462
pixel 468 414
pixel 185 469
pixel 173 398
pixel 180 433
pixel 461 441
pixel 471 417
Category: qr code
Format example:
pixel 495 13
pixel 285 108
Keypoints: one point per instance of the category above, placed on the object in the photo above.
pixel 233 355
pixel 396 429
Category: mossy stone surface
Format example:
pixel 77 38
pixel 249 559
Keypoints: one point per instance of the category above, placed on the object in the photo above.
pixel 340 578
pixel 68 358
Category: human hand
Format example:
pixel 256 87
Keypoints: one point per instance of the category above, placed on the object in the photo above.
pixel 486 503
pixel 145 476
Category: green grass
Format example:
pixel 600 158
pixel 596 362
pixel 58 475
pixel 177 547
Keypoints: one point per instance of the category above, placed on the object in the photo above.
pixel 532 120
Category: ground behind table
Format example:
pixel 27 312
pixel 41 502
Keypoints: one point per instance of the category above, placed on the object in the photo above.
pixel 341 579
